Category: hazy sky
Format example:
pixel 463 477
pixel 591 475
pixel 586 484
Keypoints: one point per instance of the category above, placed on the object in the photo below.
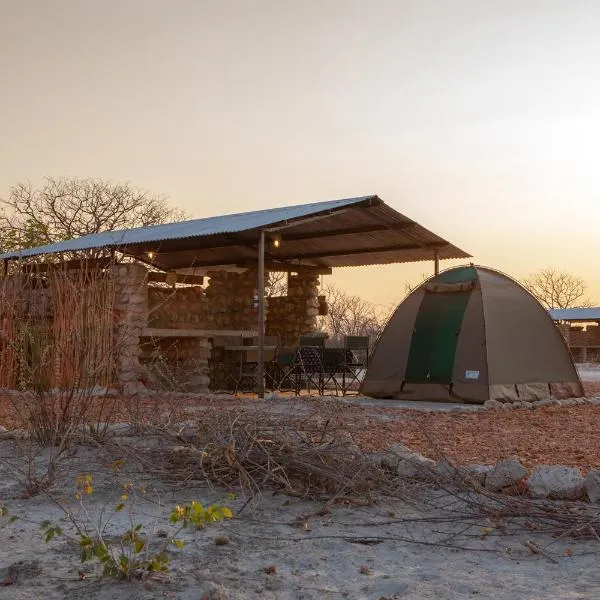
pixel 480 119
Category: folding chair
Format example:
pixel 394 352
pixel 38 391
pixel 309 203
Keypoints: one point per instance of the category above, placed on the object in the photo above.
pixel 310 361
pixel 333 362
pixel 287 370
pixel 249 362
pixel 225 364
pixel 356 360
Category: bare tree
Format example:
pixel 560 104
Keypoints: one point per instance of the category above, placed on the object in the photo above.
pixel 410 287
pixel 352 315
pixel 557 289
pixel 277 284
pixel 67 208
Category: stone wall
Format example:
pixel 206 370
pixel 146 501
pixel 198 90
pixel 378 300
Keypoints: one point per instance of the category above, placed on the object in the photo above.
pixel 180 364
pixel 179 308
pixel 227 303
pixel 131 316
pixel 292 315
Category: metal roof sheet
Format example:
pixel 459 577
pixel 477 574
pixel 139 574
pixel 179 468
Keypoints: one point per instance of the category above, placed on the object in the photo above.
pixel 351 232
pixel 186 229
pixel 575 314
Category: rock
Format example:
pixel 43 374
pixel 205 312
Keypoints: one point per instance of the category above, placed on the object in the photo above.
pixel 446 471
pixel 493 405
pixel 406 463
pixel 567 402
pixel 504 473
pixel 594 400
pixel 528 405
pixel 557 482
pixel 581 401
pixel 592 485
pixel 477 472
pixel 545 402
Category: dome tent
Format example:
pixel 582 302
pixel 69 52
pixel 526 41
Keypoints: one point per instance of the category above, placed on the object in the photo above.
pixel 471 334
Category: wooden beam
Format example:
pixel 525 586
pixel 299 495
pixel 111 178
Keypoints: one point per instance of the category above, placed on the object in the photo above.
pixel 159 277
pixel 353 251
pixel 84 263
pixel 287 267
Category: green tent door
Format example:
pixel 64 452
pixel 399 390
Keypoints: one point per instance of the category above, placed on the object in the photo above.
pixel 435 336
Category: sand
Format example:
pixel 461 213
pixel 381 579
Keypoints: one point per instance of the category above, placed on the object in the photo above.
pixel 272 554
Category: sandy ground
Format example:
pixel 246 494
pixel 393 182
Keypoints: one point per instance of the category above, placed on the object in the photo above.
pixel 281 547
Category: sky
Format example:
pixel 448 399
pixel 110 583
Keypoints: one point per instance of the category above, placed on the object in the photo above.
pixel 478 119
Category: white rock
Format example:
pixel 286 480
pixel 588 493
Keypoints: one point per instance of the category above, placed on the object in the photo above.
pixel 545 402
pixel 567 402
pixel 493 405
pixel 477 472
pixel 504 473
pixel 592 485
pixel 407 463
pixel 556 481
pixel 595 400
pixel 528 405
pixel 446 471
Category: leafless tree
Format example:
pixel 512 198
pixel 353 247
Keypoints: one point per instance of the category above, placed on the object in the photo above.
pixel 410 287
pixel 277 284
pixel 557 289
pixel 352 315
pixel 67 208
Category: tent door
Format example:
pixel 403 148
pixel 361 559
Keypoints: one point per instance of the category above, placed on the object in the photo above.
pixel 435 336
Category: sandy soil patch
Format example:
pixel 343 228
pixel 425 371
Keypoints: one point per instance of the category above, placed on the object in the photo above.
pixel 283 547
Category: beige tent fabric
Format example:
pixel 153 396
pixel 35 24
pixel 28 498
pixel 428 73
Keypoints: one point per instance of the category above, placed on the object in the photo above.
pixel 470 375
pixel 388 362
pixel 507 348
pixel 523 343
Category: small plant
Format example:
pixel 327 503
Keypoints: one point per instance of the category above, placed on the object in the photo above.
pixel 129 555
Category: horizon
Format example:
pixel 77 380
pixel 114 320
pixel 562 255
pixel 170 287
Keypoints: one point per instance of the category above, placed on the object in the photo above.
pixel 479 122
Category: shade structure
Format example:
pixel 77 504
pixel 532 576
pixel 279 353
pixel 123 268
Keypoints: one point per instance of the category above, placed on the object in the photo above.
pixel 471 334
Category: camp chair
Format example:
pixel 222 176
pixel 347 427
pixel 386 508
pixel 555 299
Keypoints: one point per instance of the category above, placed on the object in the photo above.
pixel 287 370
pixel 356 360
pixel 333 362
pixel 249 362
pixel 310 361
pixel 225 364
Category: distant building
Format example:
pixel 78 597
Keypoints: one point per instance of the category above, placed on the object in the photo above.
pixel 580 328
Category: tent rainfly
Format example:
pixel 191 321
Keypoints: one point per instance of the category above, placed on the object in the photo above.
pixel 471 334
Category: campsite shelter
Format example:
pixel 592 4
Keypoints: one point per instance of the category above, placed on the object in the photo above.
pixel 308 239
pixel 471 334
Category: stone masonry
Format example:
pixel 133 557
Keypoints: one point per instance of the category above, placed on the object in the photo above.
pixel 292 315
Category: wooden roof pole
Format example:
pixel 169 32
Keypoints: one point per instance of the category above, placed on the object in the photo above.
pixel 260 374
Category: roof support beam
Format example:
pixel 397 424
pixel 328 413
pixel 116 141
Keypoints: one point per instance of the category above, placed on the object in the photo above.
pixel 353 251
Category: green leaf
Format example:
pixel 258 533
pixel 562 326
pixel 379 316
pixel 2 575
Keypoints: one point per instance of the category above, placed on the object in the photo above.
pixel 45 524
pixel 120 507
pixel 139 546
pixel 58 531
pixel 179 543
pixel 226 511
pixel 137 527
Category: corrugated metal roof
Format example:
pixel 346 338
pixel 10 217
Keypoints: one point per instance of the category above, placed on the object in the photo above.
pixel 187 229
pixel 575 314
pixel 350 232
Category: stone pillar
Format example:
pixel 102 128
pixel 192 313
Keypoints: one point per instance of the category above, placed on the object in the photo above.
pixel 131 316
pixel 292 315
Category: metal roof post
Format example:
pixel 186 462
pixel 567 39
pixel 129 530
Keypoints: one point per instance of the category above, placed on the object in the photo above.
pixel 260 374
pixel 436 262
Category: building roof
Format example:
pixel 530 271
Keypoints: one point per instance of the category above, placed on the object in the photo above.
pixel 575 314
pixel 349 232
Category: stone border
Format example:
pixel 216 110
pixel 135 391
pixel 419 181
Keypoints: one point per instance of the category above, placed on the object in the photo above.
pixel 552 482
pixel 497 405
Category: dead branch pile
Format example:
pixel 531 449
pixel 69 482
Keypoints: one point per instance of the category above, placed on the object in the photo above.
pixel 306 457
